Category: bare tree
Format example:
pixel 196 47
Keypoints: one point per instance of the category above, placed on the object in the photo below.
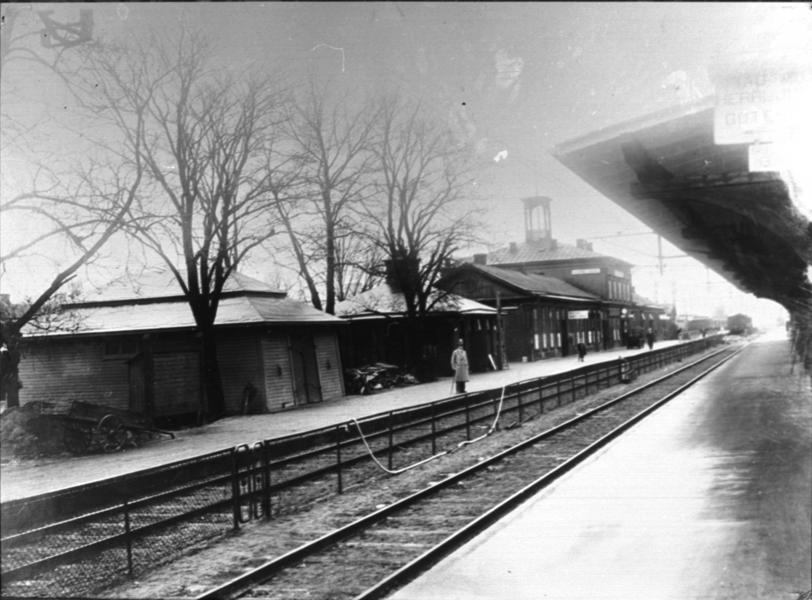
pixel 332 148
pixel 85 213
pixel 422 210
pixel 357 262
pixel 79 207
pixel 204 139
pixel 55 36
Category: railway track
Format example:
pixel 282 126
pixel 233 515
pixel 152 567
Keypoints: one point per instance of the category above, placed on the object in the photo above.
pixel 381 551
pixel 78 555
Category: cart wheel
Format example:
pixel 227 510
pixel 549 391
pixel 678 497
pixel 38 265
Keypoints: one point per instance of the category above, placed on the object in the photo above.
pixel 112 433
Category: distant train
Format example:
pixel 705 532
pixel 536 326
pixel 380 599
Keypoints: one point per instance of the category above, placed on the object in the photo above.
pixel 697 327
pixel 739 324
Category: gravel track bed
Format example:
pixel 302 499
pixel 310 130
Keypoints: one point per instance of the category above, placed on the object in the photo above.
pixel 208 564
pixel 359 563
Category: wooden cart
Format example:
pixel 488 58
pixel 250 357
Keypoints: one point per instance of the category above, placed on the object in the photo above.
pixel 87 427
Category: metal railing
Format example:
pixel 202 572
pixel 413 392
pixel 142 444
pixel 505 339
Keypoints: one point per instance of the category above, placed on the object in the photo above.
pixel 122 526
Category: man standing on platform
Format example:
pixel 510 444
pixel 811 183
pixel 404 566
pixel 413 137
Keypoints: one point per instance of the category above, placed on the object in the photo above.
pixel 650 338
pixel 459 363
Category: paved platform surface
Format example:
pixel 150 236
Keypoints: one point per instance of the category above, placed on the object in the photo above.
pixel 28 478
pixel 709 497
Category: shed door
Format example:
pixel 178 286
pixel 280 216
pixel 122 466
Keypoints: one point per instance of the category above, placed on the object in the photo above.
pixel 307 387
pixel 177 383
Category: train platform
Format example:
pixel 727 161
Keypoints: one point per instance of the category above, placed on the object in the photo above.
pixel 708 497
pixel 21 479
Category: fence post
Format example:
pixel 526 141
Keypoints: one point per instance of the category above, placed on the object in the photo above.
pixel 391 439
pixel 128 538
pixel 519 404
pixel 340 482
pixel 256 479
pixel 433 428
pixel 235 487
pixel 267 496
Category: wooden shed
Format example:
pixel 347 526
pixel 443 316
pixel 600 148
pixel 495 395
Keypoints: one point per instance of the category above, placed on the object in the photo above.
pixel 378 331
pixel 137 349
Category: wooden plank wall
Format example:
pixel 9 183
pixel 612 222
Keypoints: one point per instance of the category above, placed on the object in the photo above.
pixel 70 370
pixel 328 359
pixel 239 357
pixel 176 382
pixel 78 370
pixel 278 374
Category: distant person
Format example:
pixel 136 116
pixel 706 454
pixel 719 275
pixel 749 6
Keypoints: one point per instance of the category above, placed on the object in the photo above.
pixel 650 338
pixel 581 351
pixel 459 363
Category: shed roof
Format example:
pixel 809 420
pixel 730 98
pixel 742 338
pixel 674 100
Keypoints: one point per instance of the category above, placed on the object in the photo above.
pixel 382 300
pixel 155 308
pixel 153 285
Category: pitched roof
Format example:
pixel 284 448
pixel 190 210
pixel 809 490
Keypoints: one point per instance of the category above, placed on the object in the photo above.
pixel 539 285
pixel 162 284
pixel 536 252
pixel 156 307
pixel 383 300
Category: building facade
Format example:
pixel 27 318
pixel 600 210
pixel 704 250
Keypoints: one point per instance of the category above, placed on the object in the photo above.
pixel 555 295
pixel 380 331
pixel 140 352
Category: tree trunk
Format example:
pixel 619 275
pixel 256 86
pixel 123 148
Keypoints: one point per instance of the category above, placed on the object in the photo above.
pixel 213 400
pixel 10 368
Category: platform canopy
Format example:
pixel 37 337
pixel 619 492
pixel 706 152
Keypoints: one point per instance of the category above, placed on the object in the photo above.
pixel 703 197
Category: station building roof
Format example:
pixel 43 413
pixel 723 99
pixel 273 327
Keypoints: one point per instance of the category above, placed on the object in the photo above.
pixel 525 283
pixel 534 252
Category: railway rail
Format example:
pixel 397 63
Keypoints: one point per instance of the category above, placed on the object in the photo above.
pixel 74 541
pixel 380 552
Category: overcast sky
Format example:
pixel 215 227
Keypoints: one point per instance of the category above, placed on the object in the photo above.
pixel 517 78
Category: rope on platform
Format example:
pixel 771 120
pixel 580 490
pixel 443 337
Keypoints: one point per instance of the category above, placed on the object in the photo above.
pixel 384 468
pixel 493 425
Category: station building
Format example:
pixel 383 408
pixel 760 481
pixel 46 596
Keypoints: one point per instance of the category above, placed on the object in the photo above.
pixel 553 296
pixel 380 330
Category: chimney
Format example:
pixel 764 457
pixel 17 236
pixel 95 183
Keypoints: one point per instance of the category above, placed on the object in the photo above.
pixel 480 259
pixel 513 248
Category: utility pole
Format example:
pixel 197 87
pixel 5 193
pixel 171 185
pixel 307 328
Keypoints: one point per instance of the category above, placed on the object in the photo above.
pixel 500 335
pixel 660 253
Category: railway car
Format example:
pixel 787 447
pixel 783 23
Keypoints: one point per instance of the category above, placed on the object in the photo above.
pixel 739 324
